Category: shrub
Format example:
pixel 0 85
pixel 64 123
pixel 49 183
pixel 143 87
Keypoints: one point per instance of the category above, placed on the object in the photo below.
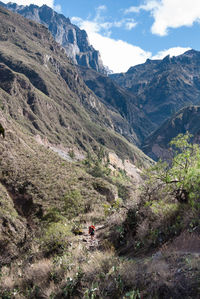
pixel 71 154
pixel 53 215
pixel 56 238
pixel 180 175
pixel 73 204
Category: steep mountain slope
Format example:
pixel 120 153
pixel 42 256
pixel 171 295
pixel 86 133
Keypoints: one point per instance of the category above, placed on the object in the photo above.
pixel 162 87
pixel 123 101
pixel 187 119
pixel 45 94
pixel 74 41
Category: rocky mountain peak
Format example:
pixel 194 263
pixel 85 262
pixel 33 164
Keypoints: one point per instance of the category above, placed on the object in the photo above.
pixel 162 87
pixel 73 39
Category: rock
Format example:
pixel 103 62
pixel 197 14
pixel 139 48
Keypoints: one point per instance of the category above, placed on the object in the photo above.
pixel 73 39
pixel 106 189
pixel 162 87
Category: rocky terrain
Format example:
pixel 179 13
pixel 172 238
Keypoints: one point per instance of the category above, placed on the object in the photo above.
pixel 121 100
pixel 162 87
pixel 47 114
pixel 141 99
pixel 73 40
pixel 46 107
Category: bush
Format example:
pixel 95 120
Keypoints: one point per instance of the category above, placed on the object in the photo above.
pixel 53 215
pixel 181 174
pixel 56 238
pixel 73 204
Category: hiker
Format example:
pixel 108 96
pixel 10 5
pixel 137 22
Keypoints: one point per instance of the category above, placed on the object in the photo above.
pixel 2 131
pixel 91 231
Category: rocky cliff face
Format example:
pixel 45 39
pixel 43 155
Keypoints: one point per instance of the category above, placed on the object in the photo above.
pixel 124 102
pixel 74 41
pixel 162 87
pixel 187 119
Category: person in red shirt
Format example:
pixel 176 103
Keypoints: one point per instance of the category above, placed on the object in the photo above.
pixel 91 231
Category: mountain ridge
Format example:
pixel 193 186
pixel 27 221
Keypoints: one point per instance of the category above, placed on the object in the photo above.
pixel 73 39
pixel 185 120
pixel 162 87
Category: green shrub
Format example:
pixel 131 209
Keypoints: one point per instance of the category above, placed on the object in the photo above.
pixel 73 204
pixel 71 154
pixel 56 238
pixel 181 175
pixel 53 215
pixel 72 284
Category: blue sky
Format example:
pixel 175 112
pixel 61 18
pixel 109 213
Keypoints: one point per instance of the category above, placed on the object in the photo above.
pixel 127 32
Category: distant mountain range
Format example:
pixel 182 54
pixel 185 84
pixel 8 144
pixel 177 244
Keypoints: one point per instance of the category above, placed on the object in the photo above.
pixel 74 41
pixel 162 87
pixel 121 100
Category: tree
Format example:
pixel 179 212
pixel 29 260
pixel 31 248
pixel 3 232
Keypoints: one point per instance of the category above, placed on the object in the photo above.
pixel 181 174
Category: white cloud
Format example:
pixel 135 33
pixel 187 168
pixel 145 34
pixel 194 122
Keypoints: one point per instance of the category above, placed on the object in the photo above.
pixel 174 14
pixel 130 24
pixel 169 13
pixel 118 55
pixel 50 3
pixel 172 52
pixel 101 8
pixel 148 6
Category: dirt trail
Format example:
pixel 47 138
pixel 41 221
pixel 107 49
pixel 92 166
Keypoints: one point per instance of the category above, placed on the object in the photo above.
pixel 91 243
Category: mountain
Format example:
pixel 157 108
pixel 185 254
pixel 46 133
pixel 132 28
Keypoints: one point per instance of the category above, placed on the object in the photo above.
pixel 162 87
pixel 122 101
pixel 47 111
pixel 74 41
pixel 43 91
pixel 185 120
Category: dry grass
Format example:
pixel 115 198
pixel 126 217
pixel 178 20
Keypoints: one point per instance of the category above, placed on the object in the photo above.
pixel 38 273
pixel 99 262
pixel 8 282
pixel 186 242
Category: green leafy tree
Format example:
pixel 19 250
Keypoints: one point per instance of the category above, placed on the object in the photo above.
pixel 181 174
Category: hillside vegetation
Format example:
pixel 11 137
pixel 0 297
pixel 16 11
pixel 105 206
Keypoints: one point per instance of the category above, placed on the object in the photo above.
pixel 147 242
